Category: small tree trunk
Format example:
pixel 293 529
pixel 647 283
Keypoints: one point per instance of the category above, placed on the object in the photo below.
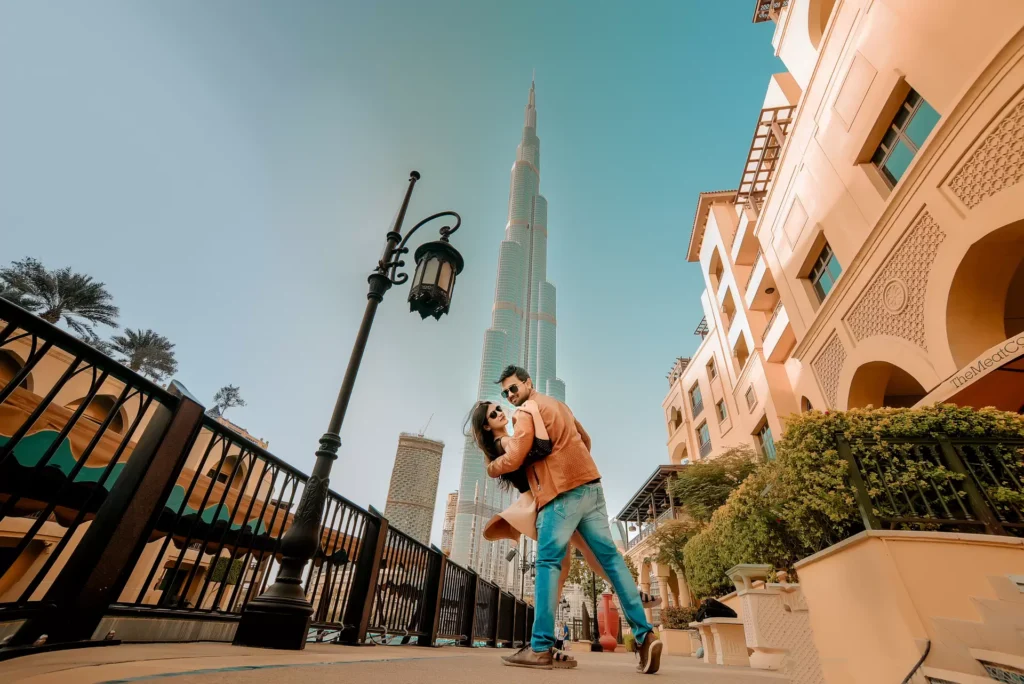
pixel 51 316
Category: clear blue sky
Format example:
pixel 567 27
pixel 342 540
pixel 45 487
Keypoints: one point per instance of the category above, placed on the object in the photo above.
pixel 229 170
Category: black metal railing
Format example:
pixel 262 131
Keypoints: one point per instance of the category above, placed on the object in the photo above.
pixel 120 499
pixel 401 589
pixel 938 483
pixel 457 581
pixel 487 607
pixel 70 420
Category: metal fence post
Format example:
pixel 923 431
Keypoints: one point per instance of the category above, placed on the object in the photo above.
pixel 860 490
pixel 101 564
pixel 364 582
pixel 432 598
pixel 493 631
pixel 468 601
pixel 977 500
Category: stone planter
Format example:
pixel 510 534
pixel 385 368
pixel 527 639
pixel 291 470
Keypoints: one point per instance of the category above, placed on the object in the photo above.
pixel 680 641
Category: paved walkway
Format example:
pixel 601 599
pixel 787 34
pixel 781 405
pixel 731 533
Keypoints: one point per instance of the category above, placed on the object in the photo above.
pixel 209 663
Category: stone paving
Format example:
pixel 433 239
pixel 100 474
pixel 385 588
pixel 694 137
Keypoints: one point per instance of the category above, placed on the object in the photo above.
pixel 210 663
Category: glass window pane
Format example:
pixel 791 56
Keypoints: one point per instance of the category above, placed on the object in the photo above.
pixel 430 271
pixel 446 276
pixel 834 268
pixel 900 118
pixel 898 161
pixel 922 124
pixel 819 291
pixel 879 156
pixel 418 278
pixel 890 137
pixel 913 97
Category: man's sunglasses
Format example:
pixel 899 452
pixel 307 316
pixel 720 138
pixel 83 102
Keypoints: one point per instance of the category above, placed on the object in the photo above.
pixel 512 389
pixel 495 413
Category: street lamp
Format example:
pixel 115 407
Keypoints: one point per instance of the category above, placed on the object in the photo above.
pixel 595 641
pixel 529 562
pixel 280 616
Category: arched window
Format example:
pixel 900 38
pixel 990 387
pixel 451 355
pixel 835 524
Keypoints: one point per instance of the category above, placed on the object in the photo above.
pixel 98 409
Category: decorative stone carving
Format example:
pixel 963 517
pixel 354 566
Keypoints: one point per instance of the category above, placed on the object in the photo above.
pixel 997 164
pixel 893 304
pixel 828 364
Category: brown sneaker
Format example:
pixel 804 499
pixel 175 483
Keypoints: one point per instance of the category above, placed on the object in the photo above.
pixel 649 654
pixel 527 657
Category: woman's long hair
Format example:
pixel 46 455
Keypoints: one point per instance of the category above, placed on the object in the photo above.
pixel 476 425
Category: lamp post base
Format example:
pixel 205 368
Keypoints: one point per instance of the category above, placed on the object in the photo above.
pixel 274 622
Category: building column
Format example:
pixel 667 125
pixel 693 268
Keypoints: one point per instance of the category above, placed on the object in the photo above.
pixel 663 571
pixel 645 586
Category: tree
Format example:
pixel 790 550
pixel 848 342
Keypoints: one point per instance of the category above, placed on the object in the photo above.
pixel 580 573
pixel 700 489
pixel 59 295
pixel 146 352
pixel 631 566
pixel 226 397
pixel 670 538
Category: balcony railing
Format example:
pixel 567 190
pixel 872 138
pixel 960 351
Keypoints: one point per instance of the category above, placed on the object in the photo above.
pixel 768 326
pixel 753 268
pixel 202 546
pixel 697 405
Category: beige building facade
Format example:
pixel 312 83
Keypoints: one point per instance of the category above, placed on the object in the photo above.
pixel 873 253
pixel 872 250
pixel 451 508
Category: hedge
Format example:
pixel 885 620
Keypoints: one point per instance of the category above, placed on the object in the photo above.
pixel 802 502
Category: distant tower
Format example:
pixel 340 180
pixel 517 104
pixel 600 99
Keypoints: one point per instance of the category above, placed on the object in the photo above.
pixel 448 531
pixel 413 490
pixel 522 332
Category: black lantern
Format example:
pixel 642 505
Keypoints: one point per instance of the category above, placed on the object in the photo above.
pixel 437 265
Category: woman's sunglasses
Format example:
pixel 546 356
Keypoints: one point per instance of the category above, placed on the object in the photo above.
pixel 512 389
pixel 495 413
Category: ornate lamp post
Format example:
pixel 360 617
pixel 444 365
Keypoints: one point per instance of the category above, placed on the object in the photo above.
pixel 595 637
pixel 529 562
pixel 279 618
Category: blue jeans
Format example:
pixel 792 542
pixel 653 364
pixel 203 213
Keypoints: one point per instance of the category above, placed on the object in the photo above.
pixel 584 509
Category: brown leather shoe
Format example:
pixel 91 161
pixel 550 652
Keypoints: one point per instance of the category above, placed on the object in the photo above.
pixel 649 654
pixel 527 657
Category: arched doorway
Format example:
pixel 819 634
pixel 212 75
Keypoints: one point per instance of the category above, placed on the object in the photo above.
pixel 818 13
pixel 880 383
pixel 986 299
pixel 10 366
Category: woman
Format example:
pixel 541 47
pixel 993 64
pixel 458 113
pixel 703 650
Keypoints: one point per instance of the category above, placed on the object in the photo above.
pixel 489 427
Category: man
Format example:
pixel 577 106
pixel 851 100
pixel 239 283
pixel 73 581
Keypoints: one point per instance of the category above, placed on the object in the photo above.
pixel 567 488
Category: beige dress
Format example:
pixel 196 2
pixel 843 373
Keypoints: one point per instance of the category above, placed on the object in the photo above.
pixel 521 519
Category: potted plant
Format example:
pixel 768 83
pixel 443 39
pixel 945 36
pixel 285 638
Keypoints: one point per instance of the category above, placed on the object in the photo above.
pixel 676 635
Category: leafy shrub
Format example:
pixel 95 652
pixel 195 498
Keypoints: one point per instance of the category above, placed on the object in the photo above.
pixel 669 540
pixel 677 618
pixel 746 529
pixel 700 489
pixel 802 502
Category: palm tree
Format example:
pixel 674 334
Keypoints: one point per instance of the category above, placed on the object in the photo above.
pixel 225 398
pixel 146 352
pixel 58 295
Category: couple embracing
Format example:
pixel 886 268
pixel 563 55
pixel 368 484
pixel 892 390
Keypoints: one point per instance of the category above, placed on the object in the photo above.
pixel 548 460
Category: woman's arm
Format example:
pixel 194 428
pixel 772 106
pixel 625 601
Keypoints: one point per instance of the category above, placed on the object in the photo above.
pixel 539 430
pixel 516 450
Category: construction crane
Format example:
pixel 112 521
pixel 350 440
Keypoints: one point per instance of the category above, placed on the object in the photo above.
pixel 424 430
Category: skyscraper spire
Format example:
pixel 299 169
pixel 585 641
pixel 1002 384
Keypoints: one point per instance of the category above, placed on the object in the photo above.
pixel 530 120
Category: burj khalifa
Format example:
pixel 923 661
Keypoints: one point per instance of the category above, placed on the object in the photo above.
pixel 522 332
